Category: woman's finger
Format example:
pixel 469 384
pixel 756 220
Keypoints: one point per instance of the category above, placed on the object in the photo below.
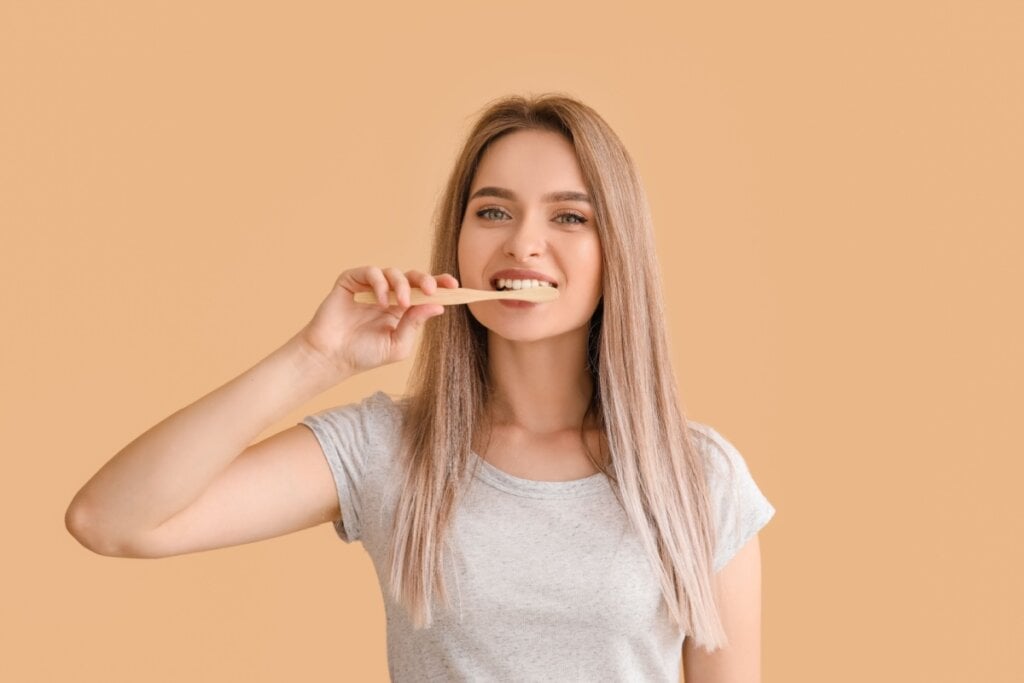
pixel 358 279
pixel 374 277
pixel 400 284
pixel 412 322
pixel 446 280
pixel 425 282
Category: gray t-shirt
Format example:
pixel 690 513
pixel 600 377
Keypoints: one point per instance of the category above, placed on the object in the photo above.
pixel 549 582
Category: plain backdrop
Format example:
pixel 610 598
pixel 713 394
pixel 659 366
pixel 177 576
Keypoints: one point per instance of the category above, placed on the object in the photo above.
pixel 836 190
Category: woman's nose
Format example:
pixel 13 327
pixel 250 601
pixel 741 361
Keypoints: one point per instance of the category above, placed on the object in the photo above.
pixel 527 239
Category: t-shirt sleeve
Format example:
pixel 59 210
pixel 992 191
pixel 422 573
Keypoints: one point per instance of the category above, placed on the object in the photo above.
pixel 740 509
pixel 349 436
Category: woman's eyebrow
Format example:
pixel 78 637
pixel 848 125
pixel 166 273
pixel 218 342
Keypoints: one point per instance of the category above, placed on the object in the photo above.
pixel 564 196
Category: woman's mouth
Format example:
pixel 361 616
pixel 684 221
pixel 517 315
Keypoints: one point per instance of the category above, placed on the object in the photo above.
pixel 504 285
pixel 513 303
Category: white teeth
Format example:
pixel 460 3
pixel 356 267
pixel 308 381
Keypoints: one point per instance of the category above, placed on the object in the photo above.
pixel 522 284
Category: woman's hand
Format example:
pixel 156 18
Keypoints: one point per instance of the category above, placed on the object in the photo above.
pixel 353 337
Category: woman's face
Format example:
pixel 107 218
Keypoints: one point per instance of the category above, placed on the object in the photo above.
pixel 528 210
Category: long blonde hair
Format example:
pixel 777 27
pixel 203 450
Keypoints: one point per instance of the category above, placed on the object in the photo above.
pixel 656 472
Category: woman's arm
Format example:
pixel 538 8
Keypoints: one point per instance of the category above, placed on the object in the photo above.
pixel 170 466
pixel 739 586
pixel 193 482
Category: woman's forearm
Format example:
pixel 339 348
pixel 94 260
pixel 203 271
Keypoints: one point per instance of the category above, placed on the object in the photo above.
pixel 169 466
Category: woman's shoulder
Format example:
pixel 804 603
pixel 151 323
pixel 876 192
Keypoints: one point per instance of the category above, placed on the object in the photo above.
pixel 718 451
pixel 374 414
pixel 383 402
pixel 705 436
pixel 701 429
pixel 378 402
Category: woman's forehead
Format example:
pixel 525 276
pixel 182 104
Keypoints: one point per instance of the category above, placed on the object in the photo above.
pixel 529 165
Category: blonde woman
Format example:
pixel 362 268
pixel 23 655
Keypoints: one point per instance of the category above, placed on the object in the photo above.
pixel 537 506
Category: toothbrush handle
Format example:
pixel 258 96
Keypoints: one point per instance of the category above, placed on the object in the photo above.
pixel 447 296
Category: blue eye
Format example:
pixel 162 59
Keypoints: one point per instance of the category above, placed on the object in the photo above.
pixel 484 213
pixel 489 214
pixel 581 220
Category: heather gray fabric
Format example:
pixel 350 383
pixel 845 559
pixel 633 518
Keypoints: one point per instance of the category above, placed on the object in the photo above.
pixel 548 583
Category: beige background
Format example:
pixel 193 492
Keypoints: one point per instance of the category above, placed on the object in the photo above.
pixel 836 190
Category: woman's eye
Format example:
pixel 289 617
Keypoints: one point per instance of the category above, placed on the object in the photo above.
pixel 580 220
pixel 489 212
pixel 492 213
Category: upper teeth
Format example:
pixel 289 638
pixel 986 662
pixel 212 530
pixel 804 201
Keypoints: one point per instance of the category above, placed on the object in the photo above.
pixel 522 284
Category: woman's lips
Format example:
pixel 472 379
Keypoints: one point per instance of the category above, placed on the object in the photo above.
pixel 513 303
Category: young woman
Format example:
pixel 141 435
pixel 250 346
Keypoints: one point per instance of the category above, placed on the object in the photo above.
pixel 537 506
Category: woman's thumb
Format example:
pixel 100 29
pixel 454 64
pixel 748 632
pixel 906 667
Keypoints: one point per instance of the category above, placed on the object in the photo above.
pixel 412 321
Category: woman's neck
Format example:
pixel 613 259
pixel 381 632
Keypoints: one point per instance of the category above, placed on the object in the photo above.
pixel 542 387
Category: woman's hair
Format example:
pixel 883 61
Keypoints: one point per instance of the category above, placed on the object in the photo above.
pixel 656 472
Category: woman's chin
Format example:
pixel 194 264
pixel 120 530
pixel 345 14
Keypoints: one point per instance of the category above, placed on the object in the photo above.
pixel 520 321
pixel 526 333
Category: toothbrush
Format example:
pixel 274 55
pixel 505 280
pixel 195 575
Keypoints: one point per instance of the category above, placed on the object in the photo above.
pixel 448 296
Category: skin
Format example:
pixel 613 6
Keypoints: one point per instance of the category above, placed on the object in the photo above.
pixel 191 483
pixel 538 355
pixel 739 588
